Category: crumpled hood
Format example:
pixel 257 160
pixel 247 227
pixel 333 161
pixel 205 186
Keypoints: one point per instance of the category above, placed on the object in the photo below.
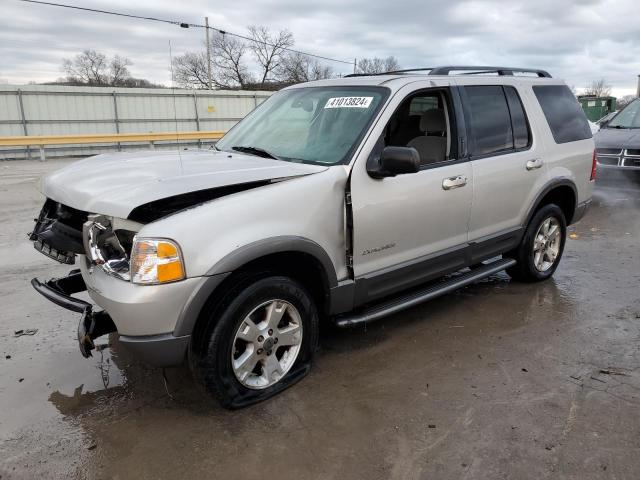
pixel 114 184
pixel 618 138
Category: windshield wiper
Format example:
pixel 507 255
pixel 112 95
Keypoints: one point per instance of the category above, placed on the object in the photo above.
pixel 260 152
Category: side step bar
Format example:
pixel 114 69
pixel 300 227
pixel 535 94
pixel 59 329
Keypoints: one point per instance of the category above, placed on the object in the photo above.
pixel 398 304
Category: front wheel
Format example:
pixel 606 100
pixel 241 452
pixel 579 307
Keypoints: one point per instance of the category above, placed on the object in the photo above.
pixel 540 250
pixel 257 341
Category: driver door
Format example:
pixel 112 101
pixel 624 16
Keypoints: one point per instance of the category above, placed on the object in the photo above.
pixel 411 228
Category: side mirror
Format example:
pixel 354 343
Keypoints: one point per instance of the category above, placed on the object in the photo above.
pixel 395 161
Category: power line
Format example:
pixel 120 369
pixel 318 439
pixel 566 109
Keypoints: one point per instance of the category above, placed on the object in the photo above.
pixel 104 11
pixel 184 25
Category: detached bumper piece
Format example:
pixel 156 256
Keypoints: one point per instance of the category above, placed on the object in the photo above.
pixel 92 324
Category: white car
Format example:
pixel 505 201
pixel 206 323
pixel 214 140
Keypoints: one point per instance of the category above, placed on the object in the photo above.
pixel 339 200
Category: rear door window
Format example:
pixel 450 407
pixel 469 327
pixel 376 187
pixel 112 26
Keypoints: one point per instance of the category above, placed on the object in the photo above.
pixel 489 120
pixel 563 113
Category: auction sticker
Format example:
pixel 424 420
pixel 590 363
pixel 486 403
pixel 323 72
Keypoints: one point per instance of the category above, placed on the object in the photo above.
pixel 348 102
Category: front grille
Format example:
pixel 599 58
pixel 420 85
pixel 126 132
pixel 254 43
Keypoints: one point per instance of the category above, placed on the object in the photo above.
pixel 631 162
pixel 632 152
pixel 609 151
pixel 607 160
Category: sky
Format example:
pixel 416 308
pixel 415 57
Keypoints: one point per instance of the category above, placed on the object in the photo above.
pixel 577 40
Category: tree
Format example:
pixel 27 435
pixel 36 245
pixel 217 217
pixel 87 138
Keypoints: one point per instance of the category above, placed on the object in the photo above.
pixel 374 65
pixel 624 101
pixel 598 88
pixel 230 68
pixel 190 70
pixel 118 71
pixel 89 67
pixel 269 49
pixel 297 68
pixel 93 68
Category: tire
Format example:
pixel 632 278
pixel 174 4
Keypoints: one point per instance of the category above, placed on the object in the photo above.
pixel 240 357
pixel 531 267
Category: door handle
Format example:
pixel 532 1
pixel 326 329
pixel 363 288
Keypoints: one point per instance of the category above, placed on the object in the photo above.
pixel 535 163
pixel 454 182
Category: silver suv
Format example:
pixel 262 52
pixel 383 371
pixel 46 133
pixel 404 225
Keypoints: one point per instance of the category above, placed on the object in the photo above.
pixel 340 200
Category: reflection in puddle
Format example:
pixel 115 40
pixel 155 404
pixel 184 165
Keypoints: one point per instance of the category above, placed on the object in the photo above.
pixel 79 402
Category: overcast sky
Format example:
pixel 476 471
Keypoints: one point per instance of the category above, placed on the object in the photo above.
pixel 578 40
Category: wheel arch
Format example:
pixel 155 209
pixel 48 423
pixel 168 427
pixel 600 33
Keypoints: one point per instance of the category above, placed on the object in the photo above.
pixel 301 258
pixel 562 192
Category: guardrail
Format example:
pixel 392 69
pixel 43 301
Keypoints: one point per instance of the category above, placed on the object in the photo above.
pixel 41 141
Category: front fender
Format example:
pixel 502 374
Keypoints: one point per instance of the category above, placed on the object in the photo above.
pixel 301 214
pixel 221 270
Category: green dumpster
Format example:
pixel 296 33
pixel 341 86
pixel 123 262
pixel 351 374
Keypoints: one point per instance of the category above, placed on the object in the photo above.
pixel 596 107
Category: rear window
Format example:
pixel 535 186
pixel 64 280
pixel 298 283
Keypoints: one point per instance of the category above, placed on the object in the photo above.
pixel 563 113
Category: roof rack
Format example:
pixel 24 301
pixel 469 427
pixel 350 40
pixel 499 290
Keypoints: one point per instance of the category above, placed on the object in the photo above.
pixel 482 69
pixel 470 70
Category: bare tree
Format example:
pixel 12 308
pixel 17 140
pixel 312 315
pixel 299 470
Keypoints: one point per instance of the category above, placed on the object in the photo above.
pixel 93 68
pixel 598 88
pixel 230 68
pixel 624 101
pixel 269 49
pixel 89 67
pixel 377 65
pixel 297 67
pixel 118 71
pixel 190 70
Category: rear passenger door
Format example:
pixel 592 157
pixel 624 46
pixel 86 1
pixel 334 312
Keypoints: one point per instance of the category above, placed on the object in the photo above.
pixel 507 164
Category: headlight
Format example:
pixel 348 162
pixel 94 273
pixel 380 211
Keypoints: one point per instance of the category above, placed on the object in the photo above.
pixel 156 261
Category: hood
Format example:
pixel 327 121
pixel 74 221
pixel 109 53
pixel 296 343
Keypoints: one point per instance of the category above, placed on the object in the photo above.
pixel 621 138
pixel 114 184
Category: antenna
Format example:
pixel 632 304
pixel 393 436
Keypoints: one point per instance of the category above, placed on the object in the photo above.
pixel 175 112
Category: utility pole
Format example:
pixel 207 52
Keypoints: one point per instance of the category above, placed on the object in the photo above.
pixel 206 24
pixel 355 62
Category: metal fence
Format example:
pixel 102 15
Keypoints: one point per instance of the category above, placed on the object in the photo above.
pixel 59 110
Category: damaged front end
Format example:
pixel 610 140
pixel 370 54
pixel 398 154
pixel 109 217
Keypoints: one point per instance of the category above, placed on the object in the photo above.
pixel 58 232
pixel 63 232
pixel 92 324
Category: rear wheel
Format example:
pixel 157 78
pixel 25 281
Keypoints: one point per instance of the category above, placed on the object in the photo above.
pixel 540 250
pixel 257 341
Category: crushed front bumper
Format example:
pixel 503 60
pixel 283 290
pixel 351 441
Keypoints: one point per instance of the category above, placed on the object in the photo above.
pixel 160 350
pixel 92 324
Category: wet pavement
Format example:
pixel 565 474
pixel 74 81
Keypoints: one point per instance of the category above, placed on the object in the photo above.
pixel 498 380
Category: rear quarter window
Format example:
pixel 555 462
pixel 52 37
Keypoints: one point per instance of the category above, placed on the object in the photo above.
pixel 563 113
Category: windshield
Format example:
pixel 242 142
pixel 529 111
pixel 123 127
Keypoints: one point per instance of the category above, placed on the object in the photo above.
pixel 629 117
pixel 320 125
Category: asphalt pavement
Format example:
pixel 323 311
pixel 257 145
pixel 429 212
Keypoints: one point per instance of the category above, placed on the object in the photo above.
pixel 499 380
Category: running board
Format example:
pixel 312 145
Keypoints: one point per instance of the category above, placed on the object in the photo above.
pixel 398 304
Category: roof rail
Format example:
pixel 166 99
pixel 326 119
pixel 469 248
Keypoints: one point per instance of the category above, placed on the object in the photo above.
pixel 470 70
pixel 480 70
